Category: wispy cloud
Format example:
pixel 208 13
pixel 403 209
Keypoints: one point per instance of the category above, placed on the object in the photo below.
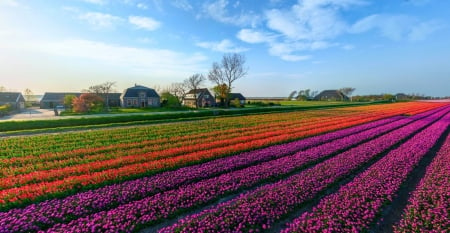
pixel 253 36
pixel 396 27
pixel 159 61
pixel 98 2
pixel 10 3
pixel 218 11
pixel 182 4
pixel 146 23
pixel 142 6
pixel 100 20
pixel 224 46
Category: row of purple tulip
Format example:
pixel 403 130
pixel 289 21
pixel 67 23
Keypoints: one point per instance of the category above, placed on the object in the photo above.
pixel 355 206
pixel 260 208
pixel 45 214
pixel 162 205
pixel 428 209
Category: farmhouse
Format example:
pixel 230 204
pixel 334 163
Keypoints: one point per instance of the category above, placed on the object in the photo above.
pixel 53 99
pixel 139 97
pixel 204 98
pixel 14 99
pixel 331 95
pixel 238 96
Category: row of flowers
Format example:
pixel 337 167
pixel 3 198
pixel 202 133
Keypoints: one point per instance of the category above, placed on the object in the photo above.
pixel 42 190
pixel 16 147
pixel 155 208
pixel 63 142
pixel 62 210
pixel 429 206
pixel 27 164
pixel 355 206
pixel 259 209
pixel 124 156
pixel 194 147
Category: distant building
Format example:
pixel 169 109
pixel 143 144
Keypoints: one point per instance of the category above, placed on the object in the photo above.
pixel 52 99
pixel 401 96
pixel 331 95
pixel 14 99
pixel 238 96
pixel 204 98
pixel 139 97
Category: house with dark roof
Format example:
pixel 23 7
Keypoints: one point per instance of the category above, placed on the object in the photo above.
pixel 331 95
pixel 52 99
pixel 238 96
pixel 139 97
pixel 203 97
pixel 14 99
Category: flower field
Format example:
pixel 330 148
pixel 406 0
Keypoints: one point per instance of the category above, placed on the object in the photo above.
pixel 333 170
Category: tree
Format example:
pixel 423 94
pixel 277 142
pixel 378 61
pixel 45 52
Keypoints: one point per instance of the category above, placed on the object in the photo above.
pixel 347 91
pixel 193 83
pixel 2 89
pixel 68 101
pixel 28 96
pixel 229 70
pixel 169 100
pixel 87 102
pixel 291 95
pixel 221 92
pixel 103 90
pixel 179 90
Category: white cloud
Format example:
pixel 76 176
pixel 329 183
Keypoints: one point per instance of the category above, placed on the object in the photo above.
pixel 98 2
pixel 182 4
pixel 218 11
pixel 311 19
pixel 252 36
pixel 100 20
pixel 154 61
pixel 144 22
pixel 142 6
pixel 224 46
pixel 10 3
pixel 422 30
pixel 396 27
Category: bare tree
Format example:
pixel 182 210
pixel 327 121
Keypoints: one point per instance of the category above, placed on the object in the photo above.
pixel 291 95
pixel 347 91
pixel 193 83
pixel 229 70
pixel 179 90
pixel 103 90
pixel 28 95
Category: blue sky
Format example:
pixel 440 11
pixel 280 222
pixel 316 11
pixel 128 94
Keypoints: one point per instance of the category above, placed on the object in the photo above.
pixel 376 46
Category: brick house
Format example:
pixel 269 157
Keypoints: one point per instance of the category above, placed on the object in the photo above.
pixel 139 97
pixel 204 98
pixel 14 99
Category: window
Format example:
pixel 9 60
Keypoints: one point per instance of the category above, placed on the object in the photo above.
pixel 150 102
pixel 142 95
pixel 135 102
pixel 128 102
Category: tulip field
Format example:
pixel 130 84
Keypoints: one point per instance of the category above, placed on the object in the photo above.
pixel 328 170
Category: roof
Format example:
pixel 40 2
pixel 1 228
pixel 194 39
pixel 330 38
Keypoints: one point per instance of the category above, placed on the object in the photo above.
pixel 331 93
pixel 11 97
pixel 134 92
pixel 200 90
pixel 236 96
pixel 57 96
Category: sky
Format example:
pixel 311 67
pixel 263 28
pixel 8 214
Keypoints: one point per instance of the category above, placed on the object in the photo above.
pixel 375 46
